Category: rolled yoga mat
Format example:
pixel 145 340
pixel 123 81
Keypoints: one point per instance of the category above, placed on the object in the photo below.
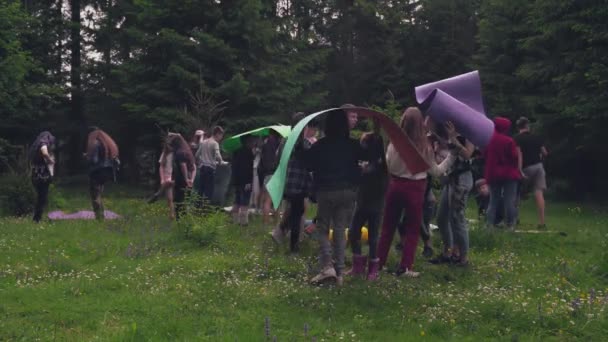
pixel 458 99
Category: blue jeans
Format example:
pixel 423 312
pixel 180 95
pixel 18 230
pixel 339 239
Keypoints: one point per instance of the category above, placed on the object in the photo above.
pixel 507 191
pixel 451 217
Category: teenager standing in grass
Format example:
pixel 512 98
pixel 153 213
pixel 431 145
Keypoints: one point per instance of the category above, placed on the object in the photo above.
pixel 334 162
pixel 42 164
pixel 269 160
pixel 370 199
pixel 531 152
pixel 242 178
pixel 184 171
pixel 165 170
pixel 297 187
pixel 209 155
pixel 102 156
pixel 406 191
pixel 502 173
pixel 451 217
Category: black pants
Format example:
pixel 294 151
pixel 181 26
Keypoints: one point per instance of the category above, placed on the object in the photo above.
pixel 294 218
pixel 97 180
pixel 42 192
pixel 372 217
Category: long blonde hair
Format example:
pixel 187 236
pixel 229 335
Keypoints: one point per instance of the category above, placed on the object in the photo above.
pixel 412 123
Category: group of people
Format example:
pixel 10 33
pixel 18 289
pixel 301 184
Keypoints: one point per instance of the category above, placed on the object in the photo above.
pixel 353 183
pixel 356 183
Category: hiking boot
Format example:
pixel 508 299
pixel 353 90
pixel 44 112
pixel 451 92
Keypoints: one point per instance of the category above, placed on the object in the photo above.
pixel 277 235
pixel 427 252
pixel 373 269
pixel 404 272
pixel 358 265
pixel 327 273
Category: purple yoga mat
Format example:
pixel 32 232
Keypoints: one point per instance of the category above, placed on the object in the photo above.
pixel 81 215
pixel 458 99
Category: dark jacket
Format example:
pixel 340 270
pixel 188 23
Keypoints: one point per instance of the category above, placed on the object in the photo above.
pixel 242 167
pixel 334 163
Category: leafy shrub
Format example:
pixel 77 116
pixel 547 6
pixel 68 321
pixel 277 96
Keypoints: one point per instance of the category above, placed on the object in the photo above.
pixel 202 226
pixel 206 231
pixel 17 196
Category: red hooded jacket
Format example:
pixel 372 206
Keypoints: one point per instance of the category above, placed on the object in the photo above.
pixel 501 154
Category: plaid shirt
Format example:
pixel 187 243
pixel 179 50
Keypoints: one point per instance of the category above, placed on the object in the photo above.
pixel 299 179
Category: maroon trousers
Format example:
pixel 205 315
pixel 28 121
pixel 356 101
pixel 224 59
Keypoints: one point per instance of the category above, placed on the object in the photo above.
pixel 402 194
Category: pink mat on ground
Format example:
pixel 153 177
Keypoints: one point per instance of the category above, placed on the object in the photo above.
pixel 81 215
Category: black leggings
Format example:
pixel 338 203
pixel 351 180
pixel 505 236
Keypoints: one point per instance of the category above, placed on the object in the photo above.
pixel 294 218
pixel 372 217
pixel 42 191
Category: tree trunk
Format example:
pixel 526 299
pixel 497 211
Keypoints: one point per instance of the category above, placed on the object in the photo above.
pixel 77 120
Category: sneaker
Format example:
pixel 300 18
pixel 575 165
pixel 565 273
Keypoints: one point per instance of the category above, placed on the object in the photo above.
pixel 407 273
pixel 277 235
pixel 427 252
pixel 339 281
pixel 327 273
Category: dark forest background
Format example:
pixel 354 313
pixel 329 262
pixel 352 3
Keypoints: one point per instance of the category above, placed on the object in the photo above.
pixel 137 67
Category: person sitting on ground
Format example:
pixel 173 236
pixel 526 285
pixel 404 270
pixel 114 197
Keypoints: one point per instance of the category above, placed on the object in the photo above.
pixel 532 151
pixel 242 178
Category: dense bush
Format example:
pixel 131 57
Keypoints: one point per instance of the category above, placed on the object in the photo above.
pixel 201 226
pixel 17 196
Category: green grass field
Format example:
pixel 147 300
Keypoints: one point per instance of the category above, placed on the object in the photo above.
pixel 141 278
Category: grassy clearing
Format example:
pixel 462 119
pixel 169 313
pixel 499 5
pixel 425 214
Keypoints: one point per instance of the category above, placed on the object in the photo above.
pixel 140 278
